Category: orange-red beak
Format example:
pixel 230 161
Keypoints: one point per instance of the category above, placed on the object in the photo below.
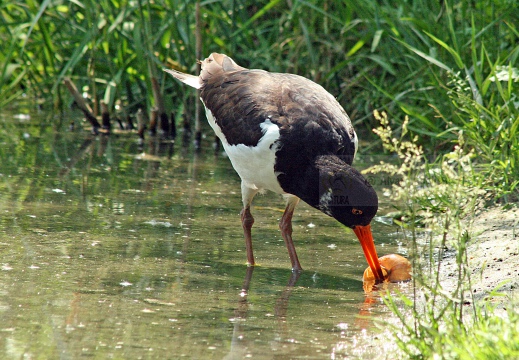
pixel 366 241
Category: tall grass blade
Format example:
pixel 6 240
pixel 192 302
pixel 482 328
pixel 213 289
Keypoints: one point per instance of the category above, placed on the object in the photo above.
pixel 37 17
pixel 429 58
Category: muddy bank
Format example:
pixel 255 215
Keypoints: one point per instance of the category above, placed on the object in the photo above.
pixel 493 254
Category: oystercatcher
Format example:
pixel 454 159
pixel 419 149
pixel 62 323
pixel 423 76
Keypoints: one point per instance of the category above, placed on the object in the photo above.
pixel 285 133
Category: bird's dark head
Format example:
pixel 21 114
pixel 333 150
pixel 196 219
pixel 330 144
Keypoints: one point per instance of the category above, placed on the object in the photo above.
pixel 345 194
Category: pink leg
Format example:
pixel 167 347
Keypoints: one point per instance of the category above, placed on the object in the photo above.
pixel 285 225
pixel 247 221
pixel 247 194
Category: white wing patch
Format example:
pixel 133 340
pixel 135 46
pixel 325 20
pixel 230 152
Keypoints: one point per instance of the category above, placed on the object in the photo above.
pixel 356 142
pixel 254 164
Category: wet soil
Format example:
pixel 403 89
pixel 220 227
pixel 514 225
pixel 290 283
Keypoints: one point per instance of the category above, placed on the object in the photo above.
pixel 493 255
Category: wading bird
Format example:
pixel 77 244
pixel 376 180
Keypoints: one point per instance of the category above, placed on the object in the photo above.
pixel 285 133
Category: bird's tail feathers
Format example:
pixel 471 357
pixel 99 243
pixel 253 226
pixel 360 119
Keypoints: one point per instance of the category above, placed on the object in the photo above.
pixel 191 80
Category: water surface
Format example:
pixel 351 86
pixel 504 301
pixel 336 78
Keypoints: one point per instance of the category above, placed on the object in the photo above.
pixel 112 251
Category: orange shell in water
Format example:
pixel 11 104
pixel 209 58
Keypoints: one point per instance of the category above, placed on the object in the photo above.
pixel 368 274
pixel 396 268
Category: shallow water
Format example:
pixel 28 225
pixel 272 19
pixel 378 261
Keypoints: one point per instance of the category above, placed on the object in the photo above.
pixel 107 251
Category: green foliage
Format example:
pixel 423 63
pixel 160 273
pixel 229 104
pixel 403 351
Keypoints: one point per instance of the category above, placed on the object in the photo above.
pixel 369 54
pixel 438 333
pixel 482 94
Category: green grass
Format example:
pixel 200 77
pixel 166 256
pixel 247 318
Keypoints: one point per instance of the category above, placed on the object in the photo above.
pixel 438 333
pixel 371 55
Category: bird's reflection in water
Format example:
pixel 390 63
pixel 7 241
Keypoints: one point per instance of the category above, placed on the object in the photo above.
pixel 245 342
pixel 397 271
pixel 282 301
pixel 373 292
pixel 239 344
pixel 239 348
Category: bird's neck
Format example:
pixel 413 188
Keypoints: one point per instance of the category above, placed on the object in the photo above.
pixel 310 182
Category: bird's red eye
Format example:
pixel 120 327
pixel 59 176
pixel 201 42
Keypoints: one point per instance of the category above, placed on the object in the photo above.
pixel 356 211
